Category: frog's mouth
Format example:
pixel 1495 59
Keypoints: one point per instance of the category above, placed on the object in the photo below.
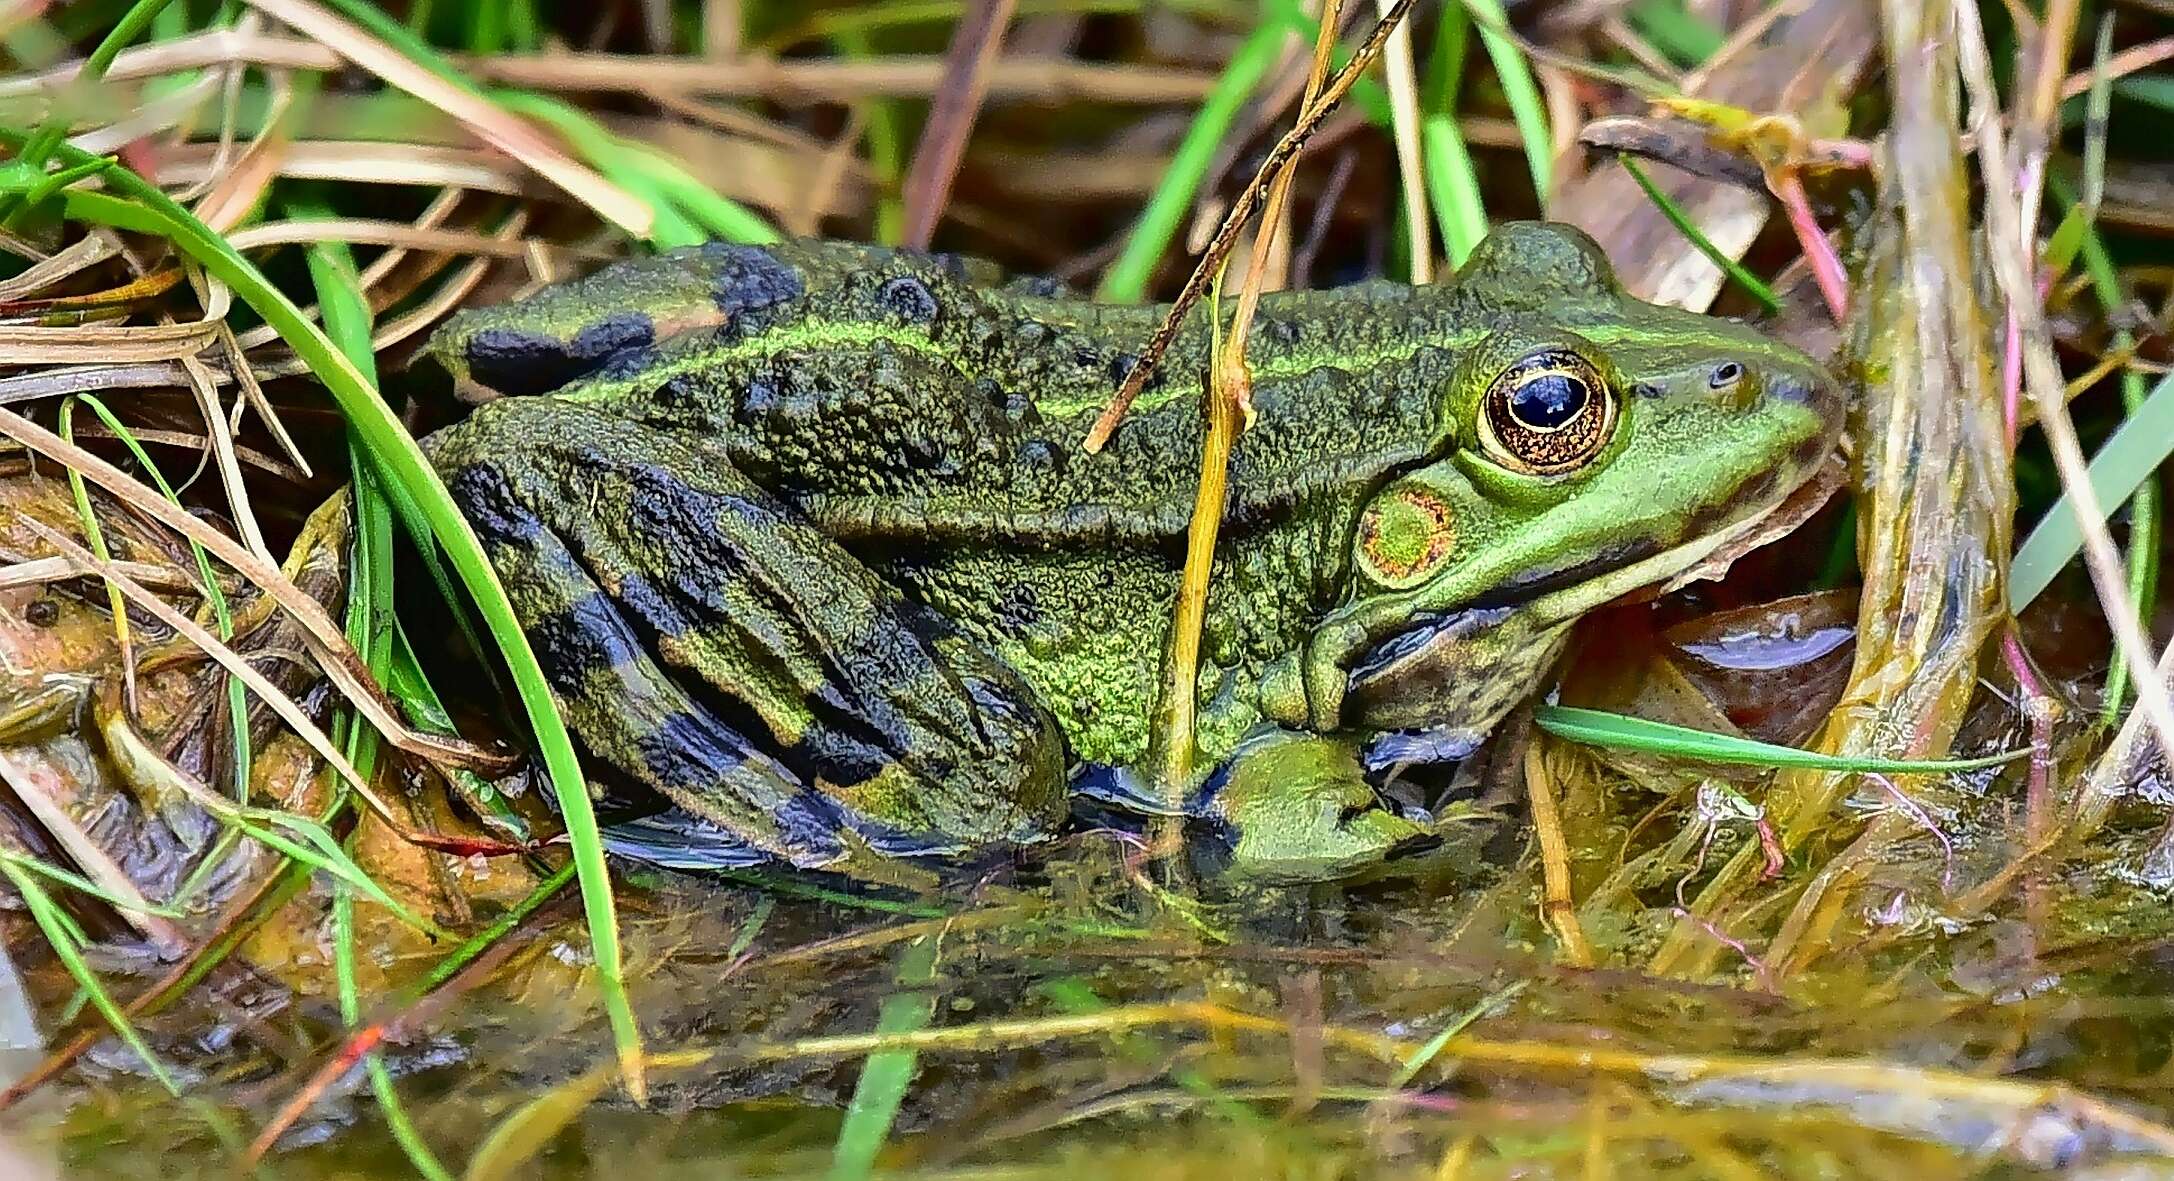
pixel 1453 673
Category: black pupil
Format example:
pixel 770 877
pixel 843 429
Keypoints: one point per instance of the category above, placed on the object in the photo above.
pixel 1548 401
pixel 1725 373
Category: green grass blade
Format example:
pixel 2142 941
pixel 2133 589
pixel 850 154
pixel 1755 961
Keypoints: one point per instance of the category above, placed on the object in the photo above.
pixel 65 939
pixel 427 510
pixel 887 1073
pixel 885 138
pixel 696 211
pixel 751 927
pixel 381 1080
pixel 1519 89
pixel 1126 280
pixel 2155 90
pixel 1597 728
pixel 1682 221
pixel 1418 1059
pixel 460 957
pixel 95 535
pixel 1673 29
pixel 1075 995
pixel 1452 188
pixel 405 680
pixel 131 26
pixel 83 885
pixel 2129 456
pixel 237 697
pixel 686 210
pixel 314 845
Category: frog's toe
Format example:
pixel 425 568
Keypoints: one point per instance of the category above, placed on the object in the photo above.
pixel 678 839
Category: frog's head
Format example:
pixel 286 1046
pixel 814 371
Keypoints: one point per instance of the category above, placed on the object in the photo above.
pixel 1599 444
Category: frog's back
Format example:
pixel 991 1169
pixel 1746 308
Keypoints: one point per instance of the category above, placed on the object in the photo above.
pixel 892 393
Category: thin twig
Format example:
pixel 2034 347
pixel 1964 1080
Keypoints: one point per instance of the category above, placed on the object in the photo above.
pixel 1234 222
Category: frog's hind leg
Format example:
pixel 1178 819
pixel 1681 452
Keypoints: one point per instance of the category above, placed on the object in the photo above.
pixel 703 638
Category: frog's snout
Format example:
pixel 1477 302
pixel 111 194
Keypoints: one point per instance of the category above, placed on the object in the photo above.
pixel 1812 389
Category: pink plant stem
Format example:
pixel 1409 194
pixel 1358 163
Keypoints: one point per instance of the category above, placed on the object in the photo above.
pixel 2038 795
pixel 1818 251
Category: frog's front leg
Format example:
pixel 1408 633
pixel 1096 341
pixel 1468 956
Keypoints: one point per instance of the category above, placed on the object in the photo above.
pixel 705 640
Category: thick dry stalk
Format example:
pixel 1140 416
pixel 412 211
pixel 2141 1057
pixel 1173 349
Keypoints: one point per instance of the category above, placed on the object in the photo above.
pixel 2011 242
pixel 1558 903
pixel 974 46
pixel 1934 537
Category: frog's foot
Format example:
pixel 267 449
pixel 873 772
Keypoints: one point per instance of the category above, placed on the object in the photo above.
pixel 1286 806
pixel 706 641
pixel 1298 807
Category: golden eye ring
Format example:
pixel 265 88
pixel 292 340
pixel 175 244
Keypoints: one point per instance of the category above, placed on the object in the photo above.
pixel 1548 414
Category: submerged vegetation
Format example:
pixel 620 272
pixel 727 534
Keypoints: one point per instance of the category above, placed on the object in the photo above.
pixel 1848 855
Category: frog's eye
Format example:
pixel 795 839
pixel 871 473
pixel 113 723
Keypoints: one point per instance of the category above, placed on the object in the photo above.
pixel 1547 414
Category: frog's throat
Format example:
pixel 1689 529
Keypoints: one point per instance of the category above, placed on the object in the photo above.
pixel 1336 649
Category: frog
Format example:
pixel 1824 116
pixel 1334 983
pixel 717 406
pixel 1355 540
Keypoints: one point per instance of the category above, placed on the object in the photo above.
pixel 810 547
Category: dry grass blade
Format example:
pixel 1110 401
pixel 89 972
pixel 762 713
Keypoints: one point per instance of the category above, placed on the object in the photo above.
pixel 974 46
pixel 2121 65
pixel 515 137
pixel 281 704
pixel 100 343
pixel 79 255
pixel 366 232
pixel 1396 62
pixel 1024 80
pixel 43 570
pixel 1558 903
pixel 37 788
pixel 2117 771
pixel 369 163
pixel 338 658
pixel 1229 406
pixel 221 438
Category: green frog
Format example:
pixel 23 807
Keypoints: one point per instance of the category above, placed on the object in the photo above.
pixel 807 544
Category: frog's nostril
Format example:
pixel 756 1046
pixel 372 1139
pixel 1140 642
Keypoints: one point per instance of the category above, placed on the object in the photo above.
pixel 1413 846
pixel 1786 388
